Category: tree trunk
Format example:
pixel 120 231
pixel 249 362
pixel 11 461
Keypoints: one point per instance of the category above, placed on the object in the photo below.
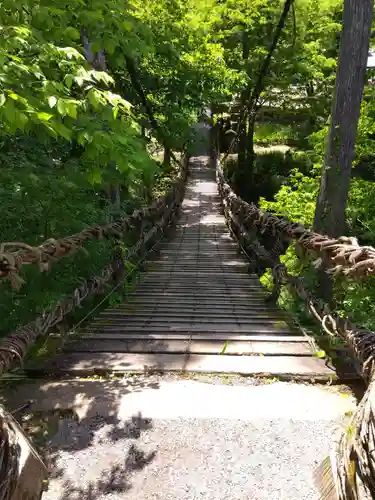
pixel 250 99
pixel 250 155
pixel 115 197
pixel 98 62
pixel 337 166
pixel 167 157
pixel 242 146
pixel 336 171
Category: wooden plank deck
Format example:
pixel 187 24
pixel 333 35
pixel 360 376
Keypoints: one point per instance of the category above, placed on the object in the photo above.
pixel 193 297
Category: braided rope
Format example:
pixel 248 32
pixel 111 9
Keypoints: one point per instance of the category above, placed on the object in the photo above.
pixel 342 254
pixel 349 473
pixel 14 347
pixel 14 255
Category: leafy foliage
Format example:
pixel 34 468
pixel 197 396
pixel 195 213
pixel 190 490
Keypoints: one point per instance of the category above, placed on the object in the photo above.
pixel 296 199
pixel 77 144
pixel 92 92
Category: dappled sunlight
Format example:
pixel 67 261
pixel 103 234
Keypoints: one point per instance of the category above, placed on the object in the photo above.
pixel 206 188
pixel 66 420
pixel 196 296
pixel 189 203
pixel 210 219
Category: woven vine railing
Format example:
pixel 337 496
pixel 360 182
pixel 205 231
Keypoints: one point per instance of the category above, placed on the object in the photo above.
pixel 14 255
pixel 149 224
pixel 349 473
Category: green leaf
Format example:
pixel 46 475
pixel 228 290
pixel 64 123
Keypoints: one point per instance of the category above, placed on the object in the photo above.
pixel 83 138
pixel 71 109
pixel 110 45
pixel 122 140
pixel 95 46
pixel 63 131
pixel 10 112
pixel 320 354
pixel 21 120
pixel 225 347
pixel 52 101
pixel 44 116
pixel 61 107
pixel 34 178
pixel 94 98
pixel 2 99
pixel 73 33
pixel 68 80
pixel 95 176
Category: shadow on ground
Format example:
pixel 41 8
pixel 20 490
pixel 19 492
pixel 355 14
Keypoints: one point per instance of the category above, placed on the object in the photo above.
pixel 117 479
pixel 77 423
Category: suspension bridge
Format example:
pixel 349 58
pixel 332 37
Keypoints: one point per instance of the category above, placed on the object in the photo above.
pixel 199 306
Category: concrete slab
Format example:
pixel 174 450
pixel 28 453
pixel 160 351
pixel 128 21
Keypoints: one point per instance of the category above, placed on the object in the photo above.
pixel 156 398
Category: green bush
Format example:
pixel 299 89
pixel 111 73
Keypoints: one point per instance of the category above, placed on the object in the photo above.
pixel 296 200
pixel 273 133
pixel 45 193
pixel 270 172
pixel 267 133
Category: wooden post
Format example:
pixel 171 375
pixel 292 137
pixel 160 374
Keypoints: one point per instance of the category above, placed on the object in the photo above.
pixel 22 472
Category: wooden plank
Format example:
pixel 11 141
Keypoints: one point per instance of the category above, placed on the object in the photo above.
pixel 125 345
pixel 201 295
pixel 250 348
pixel 255 365
pixel 184 315
pixel 215 289
pixel 95 363
pixel 194 347
pixel 184 336
pixel 188 328
pixel 207 274
pixel 202 301
pixel 217 286
pixel 201 307
pixel 180 310
pixel 153 319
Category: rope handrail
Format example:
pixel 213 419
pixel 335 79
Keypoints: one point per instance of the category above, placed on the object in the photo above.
pixel 15 345
pixel 349 472
pixel 360 340
pixel 342 254
pixel 14 255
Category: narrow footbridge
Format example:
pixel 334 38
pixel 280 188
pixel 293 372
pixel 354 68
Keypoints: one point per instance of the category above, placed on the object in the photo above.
pixel 199 306
pixel 196 308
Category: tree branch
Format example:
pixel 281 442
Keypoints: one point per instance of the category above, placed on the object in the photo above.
pixel 259 86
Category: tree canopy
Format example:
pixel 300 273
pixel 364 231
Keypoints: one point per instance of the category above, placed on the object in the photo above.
pixel 97 96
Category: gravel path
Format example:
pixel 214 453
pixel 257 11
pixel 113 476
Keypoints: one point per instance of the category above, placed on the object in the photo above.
pixel 186 439
pixel 197 459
